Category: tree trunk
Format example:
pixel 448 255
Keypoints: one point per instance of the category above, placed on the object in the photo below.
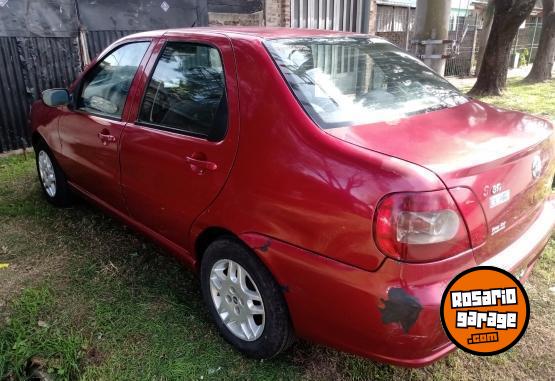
pixel 543 63
pixel 508 16
pixel 484 34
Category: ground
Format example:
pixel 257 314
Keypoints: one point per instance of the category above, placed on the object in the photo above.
pixel 85 298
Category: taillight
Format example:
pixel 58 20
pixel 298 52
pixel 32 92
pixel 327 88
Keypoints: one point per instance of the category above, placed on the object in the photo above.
pixel 473 214
pixel 420 226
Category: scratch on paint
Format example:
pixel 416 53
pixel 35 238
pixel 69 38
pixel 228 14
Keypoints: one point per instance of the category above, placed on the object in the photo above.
pixel 264 248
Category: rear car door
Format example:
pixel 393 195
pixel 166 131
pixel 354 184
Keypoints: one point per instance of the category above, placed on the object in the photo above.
pixel 177 155
pixel 91 128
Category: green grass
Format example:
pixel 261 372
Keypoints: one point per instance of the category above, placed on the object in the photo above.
pixel 86 298
pixel 535 99
pixel 25 335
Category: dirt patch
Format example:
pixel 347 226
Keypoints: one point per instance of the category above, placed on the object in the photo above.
pixel 31 252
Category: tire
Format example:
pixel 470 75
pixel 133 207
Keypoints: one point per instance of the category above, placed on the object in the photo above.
pixel 55 188
pixel 277 333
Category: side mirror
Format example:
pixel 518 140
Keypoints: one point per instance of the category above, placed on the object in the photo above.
pixel 55 97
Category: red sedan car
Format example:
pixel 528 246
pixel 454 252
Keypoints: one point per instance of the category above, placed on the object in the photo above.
pixel 324 185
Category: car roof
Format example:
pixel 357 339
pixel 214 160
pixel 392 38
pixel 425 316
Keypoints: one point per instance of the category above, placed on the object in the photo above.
pixel 252 32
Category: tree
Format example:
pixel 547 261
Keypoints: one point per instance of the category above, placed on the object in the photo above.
pixel 507 18
pixel 484 34
pixel 541 70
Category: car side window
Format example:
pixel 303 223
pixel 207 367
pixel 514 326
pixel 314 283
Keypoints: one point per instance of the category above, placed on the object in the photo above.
pixel 106 86
pixel 186 93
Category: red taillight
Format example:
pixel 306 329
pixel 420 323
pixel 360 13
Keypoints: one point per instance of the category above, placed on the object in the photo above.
pixel 473 214
pixel 420 227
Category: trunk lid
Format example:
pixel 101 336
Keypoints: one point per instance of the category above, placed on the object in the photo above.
pixel 504 157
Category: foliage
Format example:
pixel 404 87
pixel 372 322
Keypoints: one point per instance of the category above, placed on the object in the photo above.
pixel 524 57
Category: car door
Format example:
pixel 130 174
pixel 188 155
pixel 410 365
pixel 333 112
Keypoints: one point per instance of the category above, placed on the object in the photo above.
pixel 90 129
pixel 177 155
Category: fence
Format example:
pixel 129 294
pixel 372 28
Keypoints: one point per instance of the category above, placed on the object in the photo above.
pixel 345 15
pixel 40 46
pixel 527 40
pixel 396 24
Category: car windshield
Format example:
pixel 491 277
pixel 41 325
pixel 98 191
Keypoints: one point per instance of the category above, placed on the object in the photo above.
pixel 345 81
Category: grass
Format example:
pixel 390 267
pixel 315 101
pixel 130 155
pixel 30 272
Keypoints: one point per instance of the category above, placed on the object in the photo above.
pixel 85 298
pixel 531 98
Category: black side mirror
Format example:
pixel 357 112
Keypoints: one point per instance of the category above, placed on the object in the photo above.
pixel 56 97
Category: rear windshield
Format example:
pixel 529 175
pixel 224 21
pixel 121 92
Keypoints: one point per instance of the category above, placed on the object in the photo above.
pixel 359 80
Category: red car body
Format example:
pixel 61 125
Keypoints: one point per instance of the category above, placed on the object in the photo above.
pixel 305 199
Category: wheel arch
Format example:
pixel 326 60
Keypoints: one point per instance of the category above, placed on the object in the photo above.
pixel 206 237
pixel 37 138
pixel 255 243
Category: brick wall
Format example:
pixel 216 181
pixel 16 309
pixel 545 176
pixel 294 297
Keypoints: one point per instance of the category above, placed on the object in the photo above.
pixel 278 13
pixel 236 19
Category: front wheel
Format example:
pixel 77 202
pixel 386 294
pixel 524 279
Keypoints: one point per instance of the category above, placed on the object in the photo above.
pixel 52 179
pixel 244 300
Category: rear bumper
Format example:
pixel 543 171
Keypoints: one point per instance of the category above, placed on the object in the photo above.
pixel 392 314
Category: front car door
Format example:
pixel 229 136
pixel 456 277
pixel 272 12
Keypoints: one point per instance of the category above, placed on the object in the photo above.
pixel 90 129
pixel 177 155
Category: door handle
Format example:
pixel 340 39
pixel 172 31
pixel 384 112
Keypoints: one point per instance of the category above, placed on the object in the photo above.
pixel 106 138
pixel 199 164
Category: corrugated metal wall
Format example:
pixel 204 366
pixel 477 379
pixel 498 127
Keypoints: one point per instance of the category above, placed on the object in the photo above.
pixel 344 15
pixel 39 48
pixel 29 65
pixel 97 41
pixel 48 62
pixel 13 101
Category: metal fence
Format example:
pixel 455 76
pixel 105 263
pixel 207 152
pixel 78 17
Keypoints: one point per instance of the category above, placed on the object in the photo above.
pixel 396 24
pixel 41 47
pixel 97 41
pixel 527 40
pixel 345 15
pixel 13 103
pixel 464 49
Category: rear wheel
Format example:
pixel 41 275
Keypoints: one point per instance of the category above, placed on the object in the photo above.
pixel 244 300
pixel 52 179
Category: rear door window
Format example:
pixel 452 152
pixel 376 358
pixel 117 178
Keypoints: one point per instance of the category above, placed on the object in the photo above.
pixel 186 93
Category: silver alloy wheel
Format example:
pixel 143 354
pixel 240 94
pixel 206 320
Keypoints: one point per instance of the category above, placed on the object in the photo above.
pixel 47 174
pixel 237 300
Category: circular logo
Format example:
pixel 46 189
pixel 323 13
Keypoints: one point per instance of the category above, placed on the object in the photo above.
pixel 485 310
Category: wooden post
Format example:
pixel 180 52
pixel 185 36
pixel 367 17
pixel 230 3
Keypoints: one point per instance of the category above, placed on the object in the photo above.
pixel 84 48
pixel 474 42
pixel 373 17
pixel 407 26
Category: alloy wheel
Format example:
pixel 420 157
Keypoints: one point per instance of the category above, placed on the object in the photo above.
pixel 237 300
pixel 47 174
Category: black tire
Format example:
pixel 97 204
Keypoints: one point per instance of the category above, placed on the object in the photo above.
pixel 277 334
pixel 62 195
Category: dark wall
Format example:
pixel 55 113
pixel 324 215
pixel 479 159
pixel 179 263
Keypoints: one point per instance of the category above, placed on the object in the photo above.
pixel 62 18
pixel 45 18
pixel 235 6
pixel 142 14
pixel 39 46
